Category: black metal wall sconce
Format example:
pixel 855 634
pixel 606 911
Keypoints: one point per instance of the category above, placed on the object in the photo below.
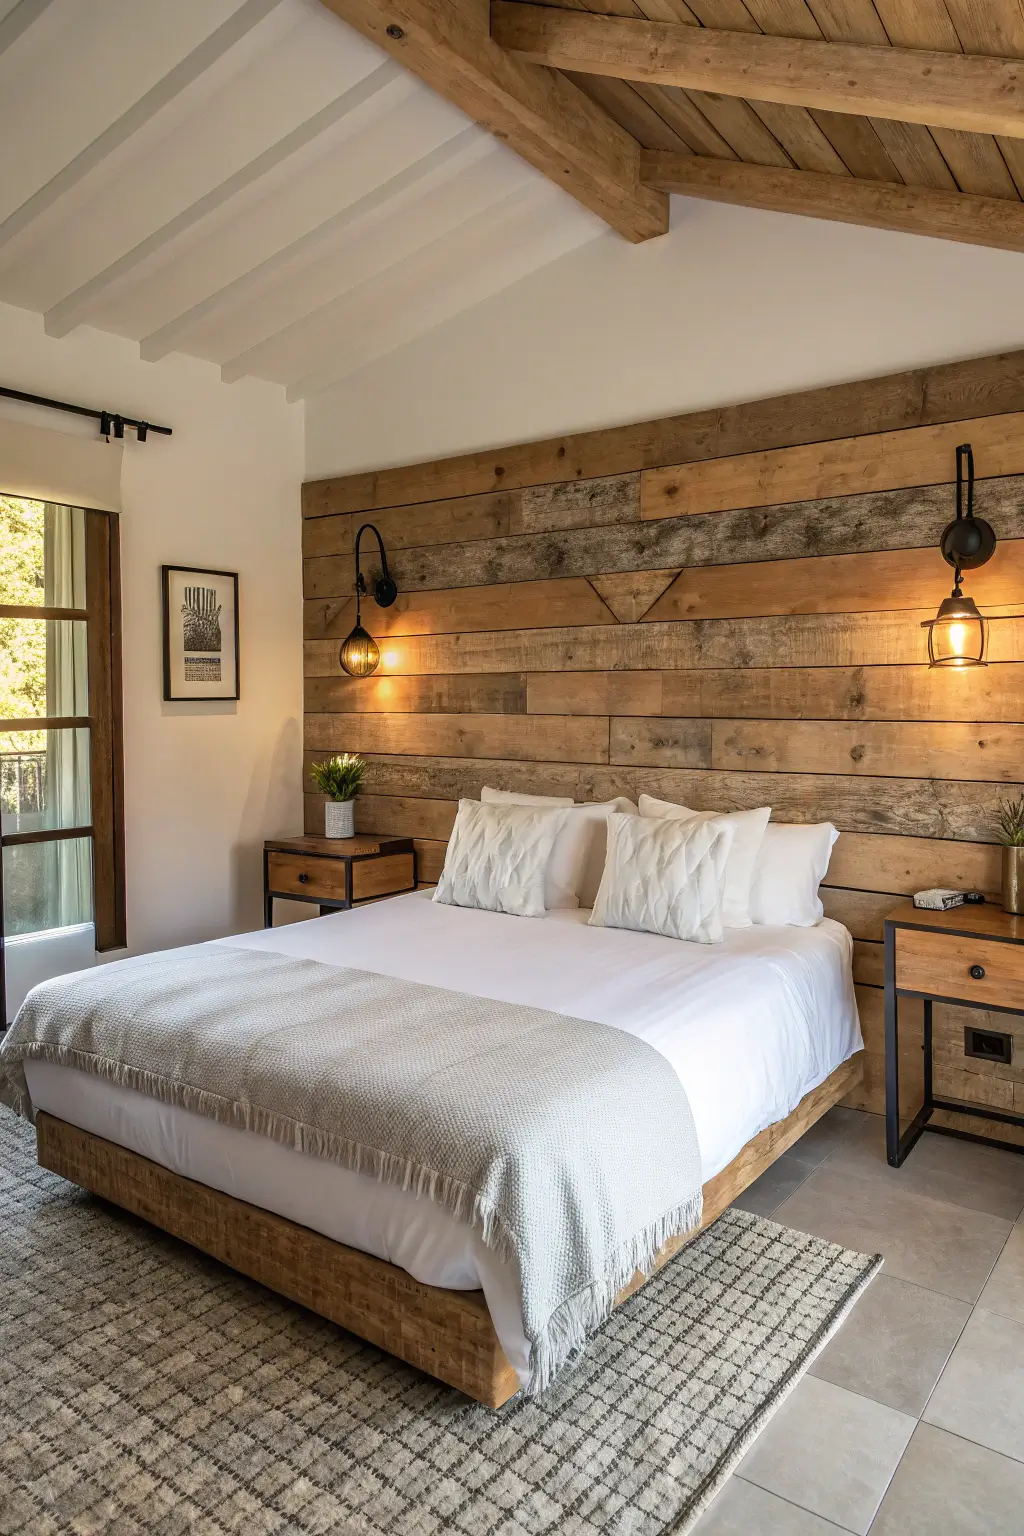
pixel 360 653
pixel 958 633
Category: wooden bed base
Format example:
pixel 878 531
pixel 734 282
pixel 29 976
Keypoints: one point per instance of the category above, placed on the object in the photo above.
pixel 448 1334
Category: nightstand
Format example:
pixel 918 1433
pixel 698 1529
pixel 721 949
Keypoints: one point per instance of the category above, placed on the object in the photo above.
pixel 972 956
pixel 336 873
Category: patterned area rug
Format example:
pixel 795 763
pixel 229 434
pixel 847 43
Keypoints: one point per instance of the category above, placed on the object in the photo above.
pixel 145 1388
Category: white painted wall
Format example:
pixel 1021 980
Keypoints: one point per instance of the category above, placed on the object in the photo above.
pixel 206 782
pixel 732 305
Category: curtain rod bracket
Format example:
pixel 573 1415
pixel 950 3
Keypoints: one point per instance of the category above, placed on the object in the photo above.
pixel 110 421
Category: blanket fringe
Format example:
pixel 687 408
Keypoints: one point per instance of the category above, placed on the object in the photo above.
pixel 565 1334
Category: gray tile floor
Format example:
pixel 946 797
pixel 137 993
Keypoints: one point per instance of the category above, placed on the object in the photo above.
pixel 911 1421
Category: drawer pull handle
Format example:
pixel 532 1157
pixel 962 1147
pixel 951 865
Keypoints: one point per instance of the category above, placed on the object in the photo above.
pixel 304 877
pixel 978 972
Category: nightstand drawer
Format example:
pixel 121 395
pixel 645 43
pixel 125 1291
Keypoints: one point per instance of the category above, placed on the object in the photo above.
pixel 296 874
pixel 952 965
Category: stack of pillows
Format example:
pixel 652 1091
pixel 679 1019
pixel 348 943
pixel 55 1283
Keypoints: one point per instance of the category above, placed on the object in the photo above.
pixel 656 867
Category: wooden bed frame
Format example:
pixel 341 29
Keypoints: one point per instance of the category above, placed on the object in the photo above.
pixel 448 1334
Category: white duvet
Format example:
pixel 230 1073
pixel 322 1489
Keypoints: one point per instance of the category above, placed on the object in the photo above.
pixel 750 1025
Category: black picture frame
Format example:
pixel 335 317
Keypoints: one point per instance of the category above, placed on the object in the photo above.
pixel 183 666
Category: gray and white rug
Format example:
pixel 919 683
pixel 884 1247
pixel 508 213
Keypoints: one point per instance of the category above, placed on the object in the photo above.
pixel 145 1388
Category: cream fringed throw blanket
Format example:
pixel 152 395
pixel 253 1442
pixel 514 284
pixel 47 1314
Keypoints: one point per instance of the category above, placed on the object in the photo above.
pixel 569 1145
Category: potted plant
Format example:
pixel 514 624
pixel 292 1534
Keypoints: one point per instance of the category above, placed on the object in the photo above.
pixel 1011 835
pixel 340 779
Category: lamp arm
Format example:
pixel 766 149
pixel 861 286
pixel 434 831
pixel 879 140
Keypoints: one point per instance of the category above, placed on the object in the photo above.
pixel 385 591
pixel 964 455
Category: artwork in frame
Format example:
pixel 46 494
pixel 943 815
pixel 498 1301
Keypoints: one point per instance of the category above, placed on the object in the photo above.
pixel 200 633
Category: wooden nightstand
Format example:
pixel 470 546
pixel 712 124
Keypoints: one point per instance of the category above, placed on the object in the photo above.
pixel 336 872
pixel 972 956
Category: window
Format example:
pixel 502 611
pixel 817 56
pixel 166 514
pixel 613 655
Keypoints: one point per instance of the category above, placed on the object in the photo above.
pixel 60 722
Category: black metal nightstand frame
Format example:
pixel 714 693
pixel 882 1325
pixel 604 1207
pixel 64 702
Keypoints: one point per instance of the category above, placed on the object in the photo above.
pixel 897 1146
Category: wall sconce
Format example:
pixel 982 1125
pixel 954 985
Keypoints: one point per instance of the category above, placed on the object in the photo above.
pixel 957 634
pixel 360 653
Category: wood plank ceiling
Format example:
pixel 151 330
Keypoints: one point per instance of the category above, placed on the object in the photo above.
pixel 832 143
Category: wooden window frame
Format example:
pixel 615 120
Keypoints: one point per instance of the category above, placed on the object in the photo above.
pixel 105 721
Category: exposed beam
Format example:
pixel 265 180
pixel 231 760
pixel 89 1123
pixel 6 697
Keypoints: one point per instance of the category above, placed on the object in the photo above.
pixel 943 90
pixel 426 172
pixel 19 20
pixel 75 307
pixel 960 216
pixel 184 74
pixel 539 114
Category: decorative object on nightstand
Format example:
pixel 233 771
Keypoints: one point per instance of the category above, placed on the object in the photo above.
pixel 972 956
pixel 1011 835
pixel 336 873
pixel 340 779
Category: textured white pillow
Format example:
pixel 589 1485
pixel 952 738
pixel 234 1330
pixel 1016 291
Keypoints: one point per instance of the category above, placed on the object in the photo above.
pixel 577 859
pixel 792 863
pixel 748 834
pixel 497 856
pixel 664 876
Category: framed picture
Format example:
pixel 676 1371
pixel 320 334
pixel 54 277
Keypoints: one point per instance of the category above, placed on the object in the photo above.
pixel 200 633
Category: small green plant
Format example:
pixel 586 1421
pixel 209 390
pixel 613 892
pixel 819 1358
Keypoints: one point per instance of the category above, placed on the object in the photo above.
pixel 339 778
pixel 1011 823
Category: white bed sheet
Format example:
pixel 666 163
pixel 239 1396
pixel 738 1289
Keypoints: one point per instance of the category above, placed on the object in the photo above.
pixel 749 1025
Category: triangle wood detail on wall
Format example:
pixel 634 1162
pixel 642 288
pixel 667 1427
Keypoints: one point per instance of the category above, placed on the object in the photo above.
pixel 630 594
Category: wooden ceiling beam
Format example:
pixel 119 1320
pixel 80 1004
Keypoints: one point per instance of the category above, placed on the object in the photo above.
pixel 960 216
pixel 537 112
pixel 943 90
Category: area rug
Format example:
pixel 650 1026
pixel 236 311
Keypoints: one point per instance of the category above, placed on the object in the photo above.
pixel 146 1388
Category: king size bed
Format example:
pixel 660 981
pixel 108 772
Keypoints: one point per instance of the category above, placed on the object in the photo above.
pixel 759 1029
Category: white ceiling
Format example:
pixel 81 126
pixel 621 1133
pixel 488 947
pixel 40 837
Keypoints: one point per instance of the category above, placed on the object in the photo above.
pixel 254 184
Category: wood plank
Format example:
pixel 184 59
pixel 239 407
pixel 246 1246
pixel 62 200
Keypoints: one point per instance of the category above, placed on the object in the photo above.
pixel 903 865
pixel 883 461
pixel 661 742
pixel 505 605
pixel 973 93
pixel 630 595
pixel 952 750
pixel 919 397
pixel 916 210
pixel 326 531
pixel 592 503
pixel 594 693
pixel 429 859
pixel 792 640
pixel 920 808
pixel 911 518
pixel 501 693
pixel 868 963
pixel 863 912
pixel 837 584
pixel 540 115
pixel 545 738
pixel 870 1094
pixel 813 693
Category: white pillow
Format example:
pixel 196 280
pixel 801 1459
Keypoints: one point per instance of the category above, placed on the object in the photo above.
pixel 792 863
pixel 577 860
pixel 497 856
pixel 664 876
pixel 748 834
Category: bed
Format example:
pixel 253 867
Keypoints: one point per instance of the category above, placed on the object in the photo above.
pixel 762 1031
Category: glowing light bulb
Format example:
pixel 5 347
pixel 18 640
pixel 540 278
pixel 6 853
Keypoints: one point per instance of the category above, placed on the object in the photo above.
pixel 958 638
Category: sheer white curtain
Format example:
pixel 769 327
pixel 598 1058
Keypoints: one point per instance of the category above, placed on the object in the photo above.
pixel 68 796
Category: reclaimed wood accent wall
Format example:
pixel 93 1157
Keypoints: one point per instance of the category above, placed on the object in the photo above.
pixel 722 609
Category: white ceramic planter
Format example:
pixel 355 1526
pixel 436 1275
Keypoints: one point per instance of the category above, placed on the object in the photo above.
pixel 339 818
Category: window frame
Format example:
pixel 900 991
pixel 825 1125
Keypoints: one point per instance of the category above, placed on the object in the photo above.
pixel 105 722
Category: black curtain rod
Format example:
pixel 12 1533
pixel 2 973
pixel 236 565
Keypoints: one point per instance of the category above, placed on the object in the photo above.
pixel 110 421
